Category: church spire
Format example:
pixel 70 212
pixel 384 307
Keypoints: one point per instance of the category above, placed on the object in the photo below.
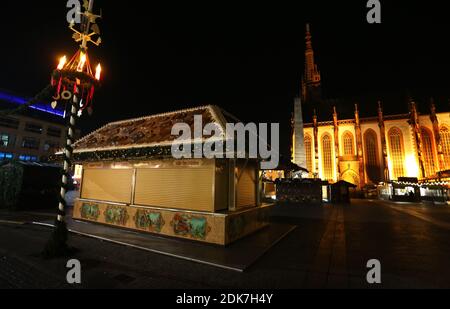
pixel 308 38
pixel 311 81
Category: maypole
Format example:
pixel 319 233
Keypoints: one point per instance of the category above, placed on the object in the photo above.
pixel 74 83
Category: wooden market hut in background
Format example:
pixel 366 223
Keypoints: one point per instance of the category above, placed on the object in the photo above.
pixel 131 180
pixel 339 192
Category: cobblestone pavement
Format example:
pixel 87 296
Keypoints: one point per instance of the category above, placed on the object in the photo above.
pixel 15 273
pixel 329 249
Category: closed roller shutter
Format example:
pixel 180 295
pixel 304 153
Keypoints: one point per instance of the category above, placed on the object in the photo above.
pixel 246 188
pixel 111 185
pixel 190 188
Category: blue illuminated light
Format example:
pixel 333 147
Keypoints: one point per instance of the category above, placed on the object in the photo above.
pixel 27 158
pixel 7 156
pixel 38 106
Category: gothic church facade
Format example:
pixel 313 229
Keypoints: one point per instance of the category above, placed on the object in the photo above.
pixel 366 150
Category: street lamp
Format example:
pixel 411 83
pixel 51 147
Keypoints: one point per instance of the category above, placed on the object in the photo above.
pixel 74 83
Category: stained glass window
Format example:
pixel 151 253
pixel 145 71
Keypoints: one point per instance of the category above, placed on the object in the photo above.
pixel 327 157
pixel 396 151
pixel 371 151
pixel 348 142
pixel 428 153
pixel 445 140
pixel 308 152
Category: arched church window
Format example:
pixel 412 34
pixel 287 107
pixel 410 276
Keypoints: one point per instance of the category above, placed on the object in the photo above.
pixel 372 159
pixel 327 157
pixel 396 152
pixel 445 140
pixel 349 145
pixel 428 153
pixel 308 152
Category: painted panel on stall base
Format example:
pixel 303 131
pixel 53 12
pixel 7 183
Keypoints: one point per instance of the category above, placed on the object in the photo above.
pixel 220 229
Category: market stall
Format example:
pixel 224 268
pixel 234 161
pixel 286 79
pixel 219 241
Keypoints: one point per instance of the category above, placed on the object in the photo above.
pixel 131 180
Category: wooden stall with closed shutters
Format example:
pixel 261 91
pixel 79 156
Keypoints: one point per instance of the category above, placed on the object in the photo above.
pixel 131 180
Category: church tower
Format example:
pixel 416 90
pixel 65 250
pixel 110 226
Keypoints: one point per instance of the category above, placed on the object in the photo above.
pixel 309 99
pixel 311 81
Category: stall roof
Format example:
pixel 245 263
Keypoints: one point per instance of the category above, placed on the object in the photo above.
pixel 344 183
pixel 149 131
pixel 287 165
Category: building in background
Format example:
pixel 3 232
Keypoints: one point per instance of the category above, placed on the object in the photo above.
pixel 366 149
pixel 384 148
pixel 31 135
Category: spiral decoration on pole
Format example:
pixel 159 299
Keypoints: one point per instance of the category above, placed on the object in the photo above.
pixel 74 84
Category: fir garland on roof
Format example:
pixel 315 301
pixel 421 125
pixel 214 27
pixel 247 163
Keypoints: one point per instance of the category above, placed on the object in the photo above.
pixel 124 154
pixel 119 154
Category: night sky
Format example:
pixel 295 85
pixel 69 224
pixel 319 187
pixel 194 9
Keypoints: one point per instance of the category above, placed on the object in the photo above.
pixel 246 59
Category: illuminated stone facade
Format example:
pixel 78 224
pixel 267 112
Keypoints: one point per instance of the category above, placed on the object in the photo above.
pixel 401 157
pixel 367 150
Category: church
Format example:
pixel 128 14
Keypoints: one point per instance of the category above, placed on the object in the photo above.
pixel 365 149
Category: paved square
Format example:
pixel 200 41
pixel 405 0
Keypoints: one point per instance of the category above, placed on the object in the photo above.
pixel 329 249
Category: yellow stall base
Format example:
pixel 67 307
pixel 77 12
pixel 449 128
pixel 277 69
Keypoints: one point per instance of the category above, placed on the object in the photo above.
pixel 215 228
